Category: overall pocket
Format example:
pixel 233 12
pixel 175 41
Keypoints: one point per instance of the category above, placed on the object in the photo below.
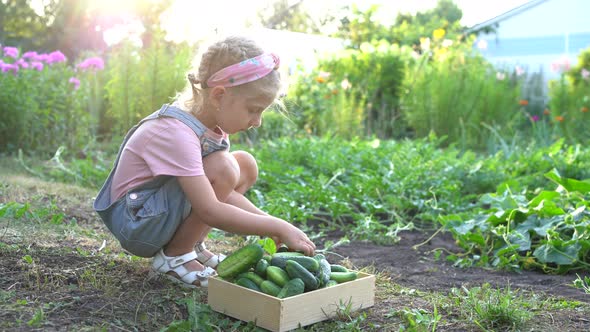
pixel 153 215
pixel 146 203
pixel 147 216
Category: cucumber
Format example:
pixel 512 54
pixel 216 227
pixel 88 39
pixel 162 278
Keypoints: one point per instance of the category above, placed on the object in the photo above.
pixel 266 258
pixel 245 282
pixel 240 261
pixel 325 269
pixel 287 254
pixel 296 270
pixel 270 288
pixel 252 276
pixel 261 266
pixel 331 283
pixel 292 288
pixel 277 275
pixel 337 268
pixel 309 263
pixel 341 277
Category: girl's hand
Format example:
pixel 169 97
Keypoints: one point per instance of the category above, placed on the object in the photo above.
pixel 295 239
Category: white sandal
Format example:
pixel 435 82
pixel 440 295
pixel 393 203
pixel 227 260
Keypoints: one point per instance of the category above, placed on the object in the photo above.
pixel 209 261
pixel 164 264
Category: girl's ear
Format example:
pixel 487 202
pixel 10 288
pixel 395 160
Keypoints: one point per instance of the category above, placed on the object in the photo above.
pixel 215 95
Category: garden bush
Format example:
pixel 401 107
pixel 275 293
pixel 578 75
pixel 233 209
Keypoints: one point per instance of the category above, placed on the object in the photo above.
pixel 351 93
pixel 42 102
pixel 454 92
pixel 141 79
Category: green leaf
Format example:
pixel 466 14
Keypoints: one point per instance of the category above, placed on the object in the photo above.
pixel 28 259
pixel 268 245
pixel 538 225
pixel 522 239
pixel 543 196
pixel 568 184
pixel 549 208
pixel 558 252
pixel 464 227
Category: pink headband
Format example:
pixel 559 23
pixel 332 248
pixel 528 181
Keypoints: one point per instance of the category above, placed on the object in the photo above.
pixel 246 71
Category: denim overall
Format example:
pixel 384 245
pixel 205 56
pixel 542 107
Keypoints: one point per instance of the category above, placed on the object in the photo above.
pixel 147 216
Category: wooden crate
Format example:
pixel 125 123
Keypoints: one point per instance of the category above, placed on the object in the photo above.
pixel 279 315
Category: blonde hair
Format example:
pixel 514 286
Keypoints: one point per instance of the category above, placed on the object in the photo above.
pixel 217 56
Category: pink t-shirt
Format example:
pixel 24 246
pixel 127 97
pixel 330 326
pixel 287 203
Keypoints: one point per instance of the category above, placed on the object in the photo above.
pixel 163 146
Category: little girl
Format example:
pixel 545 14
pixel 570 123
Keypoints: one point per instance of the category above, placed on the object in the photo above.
pixel 174 178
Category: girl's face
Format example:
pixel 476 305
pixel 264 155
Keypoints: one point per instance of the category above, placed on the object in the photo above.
pixel 238 112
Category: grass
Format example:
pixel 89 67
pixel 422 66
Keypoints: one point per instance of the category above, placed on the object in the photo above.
pixel 494 309
pixel 61 269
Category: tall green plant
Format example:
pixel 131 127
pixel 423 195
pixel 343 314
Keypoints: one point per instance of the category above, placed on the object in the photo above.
pixel 569 101
pixel 352 93
pixel 456 93
pixel 142 79
pixel 123 89
pixel 163 67
pixel 41 103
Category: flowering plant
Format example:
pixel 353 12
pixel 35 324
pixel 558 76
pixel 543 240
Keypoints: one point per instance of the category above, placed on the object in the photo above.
pixel 41 105
pixel 570 98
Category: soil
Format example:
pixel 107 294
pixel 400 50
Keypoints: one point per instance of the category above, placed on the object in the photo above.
pixel 122 297
pixel 418 268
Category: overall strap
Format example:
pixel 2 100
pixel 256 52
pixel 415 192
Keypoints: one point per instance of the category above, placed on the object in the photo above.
pixel 189 120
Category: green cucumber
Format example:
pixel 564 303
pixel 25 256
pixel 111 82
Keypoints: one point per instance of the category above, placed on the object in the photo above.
pixel 260 268
pixel 309 263
pixel 296 270
pixel 287 254
pixel 331 283
pixel 240 261
pixel 337 268
pixel 277 275
pixel 292 288
pixel 245 282
pixel 270 288
pixel 341 277
pixel 325 269
pixel 252 276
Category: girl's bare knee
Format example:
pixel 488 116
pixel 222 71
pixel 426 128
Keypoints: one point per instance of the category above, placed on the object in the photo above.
pixel 248 169
pixel 223 171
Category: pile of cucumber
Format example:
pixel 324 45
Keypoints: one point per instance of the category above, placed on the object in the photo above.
pixel 282 274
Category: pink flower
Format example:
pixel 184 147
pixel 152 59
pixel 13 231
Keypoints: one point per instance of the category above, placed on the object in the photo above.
pixel 11 52
pixel 55 57
pixel 37 65
pixel 535 118
pixel 30 55
pixel 75 82
pixel 585 73
pixel 95 63
pixel 519 70
pixel 41 57
pixel 561 65
pixel 22 63
pixel 6 67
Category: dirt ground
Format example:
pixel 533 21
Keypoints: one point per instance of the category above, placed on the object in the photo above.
pixel 76 288
pixel 417 268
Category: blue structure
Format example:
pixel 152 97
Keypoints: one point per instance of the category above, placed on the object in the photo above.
pixel 539 36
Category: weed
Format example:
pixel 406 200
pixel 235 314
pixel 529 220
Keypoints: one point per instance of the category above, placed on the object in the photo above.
pixel 416 319
pixel 492 309
pixel 6 296
pixel 38 318
pixel 583 283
